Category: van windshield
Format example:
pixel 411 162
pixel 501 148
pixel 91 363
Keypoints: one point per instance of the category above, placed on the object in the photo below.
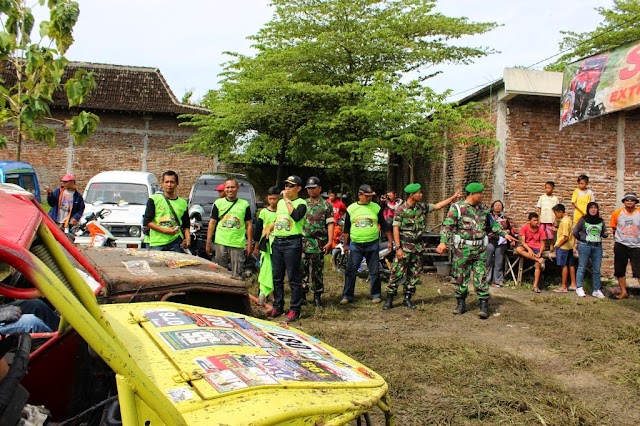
pixel 115 193
pixel 206 194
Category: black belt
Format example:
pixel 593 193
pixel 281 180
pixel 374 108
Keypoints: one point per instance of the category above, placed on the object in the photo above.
pixel 591 243
pixel 289 237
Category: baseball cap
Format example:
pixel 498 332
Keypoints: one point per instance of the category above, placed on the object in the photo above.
pixel 630 196
pixel 293 180
pixel 68 177
pixel 366 190
pixel 312 182
pixel 220 187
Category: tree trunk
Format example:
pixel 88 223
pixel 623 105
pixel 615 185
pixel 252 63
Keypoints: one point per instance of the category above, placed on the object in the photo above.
pixel 412 167
pixel 281 160
pixel 19 142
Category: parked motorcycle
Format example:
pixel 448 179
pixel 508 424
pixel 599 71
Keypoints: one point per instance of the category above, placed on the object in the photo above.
pixel 385 256
pixel 100 234
pixel 195 225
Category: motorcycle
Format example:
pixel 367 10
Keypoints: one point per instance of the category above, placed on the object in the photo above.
pixel 100 235
pixel 385 256
pixel 195 225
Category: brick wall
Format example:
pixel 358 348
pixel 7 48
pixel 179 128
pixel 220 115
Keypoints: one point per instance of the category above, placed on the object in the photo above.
pixel 118 144
pixel 536 151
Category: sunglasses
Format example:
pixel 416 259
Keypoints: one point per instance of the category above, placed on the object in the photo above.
pixel 289 185
pixel 628 199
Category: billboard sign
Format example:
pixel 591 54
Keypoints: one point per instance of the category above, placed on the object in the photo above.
pixel 601 84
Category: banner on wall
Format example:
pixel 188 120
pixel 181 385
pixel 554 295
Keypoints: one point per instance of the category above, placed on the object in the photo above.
pixel 601 84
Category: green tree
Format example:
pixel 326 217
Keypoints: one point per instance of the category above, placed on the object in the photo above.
pixel 328 51
pixel 618 27
pixel 258 115
pixel 414 121
pixel 33 71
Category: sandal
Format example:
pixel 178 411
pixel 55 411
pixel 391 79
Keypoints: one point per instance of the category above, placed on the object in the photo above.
pixel 536 290
pixel 560 290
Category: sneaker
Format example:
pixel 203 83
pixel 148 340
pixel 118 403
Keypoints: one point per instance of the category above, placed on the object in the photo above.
pixel 598 294
pixel 292 317
pixel 344 301
pixel 275 313
pixel 580 292
pixel 376 300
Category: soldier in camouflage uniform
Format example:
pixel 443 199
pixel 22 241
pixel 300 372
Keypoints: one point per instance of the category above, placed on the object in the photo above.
pixel 467 225
pixel 409 222
pixel 315 239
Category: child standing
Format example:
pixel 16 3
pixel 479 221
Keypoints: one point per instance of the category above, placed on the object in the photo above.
pixel 545 211
pixel 564 249
pixel 581 197
pixel 266 217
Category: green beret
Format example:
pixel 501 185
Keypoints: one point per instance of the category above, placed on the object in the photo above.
pixel 474 187
pixel 412 188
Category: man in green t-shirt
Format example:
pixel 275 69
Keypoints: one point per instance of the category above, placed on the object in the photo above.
pixel 361 226
pixel 231 220
pixel 286 249
pixel 167 217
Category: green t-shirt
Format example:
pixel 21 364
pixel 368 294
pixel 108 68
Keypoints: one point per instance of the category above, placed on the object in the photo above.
pixel 284 224
pixel 267 217
pixel 364 222
pixel 164 217
pixel 231 230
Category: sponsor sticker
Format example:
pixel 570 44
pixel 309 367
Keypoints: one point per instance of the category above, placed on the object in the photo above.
pixel 199 338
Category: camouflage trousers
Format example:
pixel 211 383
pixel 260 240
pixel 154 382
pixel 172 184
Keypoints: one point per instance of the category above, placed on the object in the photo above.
pixel 312 265
pixel 407 271
pixel 469 262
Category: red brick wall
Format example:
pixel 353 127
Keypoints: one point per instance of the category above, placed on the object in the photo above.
pixel 536 151
pixel 117 145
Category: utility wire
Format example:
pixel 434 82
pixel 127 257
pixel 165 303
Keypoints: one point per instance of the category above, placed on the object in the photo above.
pixel 628 21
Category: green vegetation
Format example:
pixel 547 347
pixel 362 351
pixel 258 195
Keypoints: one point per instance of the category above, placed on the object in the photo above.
pixel 330 87
pixel 36 69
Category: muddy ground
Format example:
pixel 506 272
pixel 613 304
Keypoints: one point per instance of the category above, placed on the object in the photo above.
pixel 547 359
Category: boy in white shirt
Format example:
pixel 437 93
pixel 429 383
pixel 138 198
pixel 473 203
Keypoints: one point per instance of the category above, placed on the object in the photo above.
pixel 545 211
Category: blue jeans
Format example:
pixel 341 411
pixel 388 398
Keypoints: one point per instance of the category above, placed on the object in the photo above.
pixel 28 323
pixel 40 309
pixel 286 254
pixel 586 252
pixel 358 251
pixel 172 246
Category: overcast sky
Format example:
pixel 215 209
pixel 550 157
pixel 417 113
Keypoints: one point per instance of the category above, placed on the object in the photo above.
pixel 186 39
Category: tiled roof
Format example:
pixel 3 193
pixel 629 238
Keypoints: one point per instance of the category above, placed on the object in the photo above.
pixel 122 88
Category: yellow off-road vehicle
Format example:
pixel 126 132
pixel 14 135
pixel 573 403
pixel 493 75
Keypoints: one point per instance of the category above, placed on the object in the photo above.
pixel 160 363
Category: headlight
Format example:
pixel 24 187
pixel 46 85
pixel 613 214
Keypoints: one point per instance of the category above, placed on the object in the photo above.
pixel 134 231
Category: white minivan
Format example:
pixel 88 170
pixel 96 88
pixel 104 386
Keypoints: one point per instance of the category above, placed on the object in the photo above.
pixel 125 193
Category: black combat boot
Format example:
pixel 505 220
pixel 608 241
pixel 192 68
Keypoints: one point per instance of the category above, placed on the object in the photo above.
pixel 484 309
pixel 317 300
pixel 388 304
pixel 461 307
pixel 407 302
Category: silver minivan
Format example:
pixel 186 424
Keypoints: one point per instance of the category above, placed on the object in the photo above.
pixel 125 193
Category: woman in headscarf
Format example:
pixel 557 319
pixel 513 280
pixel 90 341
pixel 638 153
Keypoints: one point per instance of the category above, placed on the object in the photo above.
pixel 589 232
pixel 497 246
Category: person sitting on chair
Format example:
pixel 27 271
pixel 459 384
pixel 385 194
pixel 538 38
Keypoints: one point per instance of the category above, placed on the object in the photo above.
pixel 532 237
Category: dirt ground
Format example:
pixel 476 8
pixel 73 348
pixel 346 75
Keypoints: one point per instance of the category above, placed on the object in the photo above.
pixel 548 359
